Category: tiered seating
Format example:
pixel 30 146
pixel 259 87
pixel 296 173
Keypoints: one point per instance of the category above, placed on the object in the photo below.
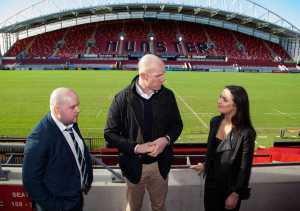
pixel 166 34
pixel 19 46
pixel 106 32
pixel 279 51
pixel 225 45
pixel 75 41
pixel 43 45
pixel 235 46
pixel 255 47
pixel 137 34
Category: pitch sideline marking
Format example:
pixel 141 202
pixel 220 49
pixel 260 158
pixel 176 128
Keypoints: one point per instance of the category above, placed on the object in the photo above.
pixel 282 113
pixel 192 110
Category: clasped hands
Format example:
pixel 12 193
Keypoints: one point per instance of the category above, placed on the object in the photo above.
pixel 153 148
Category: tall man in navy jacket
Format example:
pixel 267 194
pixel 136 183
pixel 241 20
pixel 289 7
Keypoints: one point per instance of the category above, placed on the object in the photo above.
pixel 57 166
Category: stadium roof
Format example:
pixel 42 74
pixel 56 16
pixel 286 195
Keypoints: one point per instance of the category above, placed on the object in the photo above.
pixel 231 14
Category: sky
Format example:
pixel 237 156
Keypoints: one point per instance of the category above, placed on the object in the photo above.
pixel 288 9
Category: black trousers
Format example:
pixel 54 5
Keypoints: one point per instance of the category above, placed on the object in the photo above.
pixel 214 200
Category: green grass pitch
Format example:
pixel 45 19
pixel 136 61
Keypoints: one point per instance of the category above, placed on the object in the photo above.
pixel 274 99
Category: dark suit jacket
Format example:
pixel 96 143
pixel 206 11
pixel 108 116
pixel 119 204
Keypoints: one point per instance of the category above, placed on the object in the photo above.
pixel 124 128
pixel 50 173
pixel 236 166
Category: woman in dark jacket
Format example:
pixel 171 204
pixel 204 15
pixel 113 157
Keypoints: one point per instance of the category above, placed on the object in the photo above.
pixel 230 146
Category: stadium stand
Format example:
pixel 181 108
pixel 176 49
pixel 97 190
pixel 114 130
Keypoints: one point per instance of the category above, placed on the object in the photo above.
pixel 96 40
pixel 44 45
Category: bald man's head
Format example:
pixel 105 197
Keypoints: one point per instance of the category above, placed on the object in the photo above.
pixel 151 72
pixel 64 105
pixel 150 63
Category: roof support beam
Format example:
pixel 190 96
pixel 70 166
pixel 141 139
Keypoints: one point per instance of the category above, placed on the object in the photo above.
pixel 213 13
pixel 247 20
pixel 179 9
pixel 197 10
pixel 230 17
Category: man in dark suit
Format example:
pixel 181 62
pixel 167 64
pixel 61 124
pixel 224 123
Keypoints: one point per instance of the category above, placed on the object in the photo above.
pixel 57 166
pixel 143 123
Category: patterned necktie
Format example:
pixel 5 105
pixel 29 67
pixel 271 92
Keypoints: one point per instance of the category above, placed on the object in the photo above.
pixel 80 157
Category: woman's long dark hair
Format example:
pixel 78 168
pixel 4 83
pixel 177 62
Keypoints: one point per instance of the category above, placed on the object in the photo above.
pixel 241 119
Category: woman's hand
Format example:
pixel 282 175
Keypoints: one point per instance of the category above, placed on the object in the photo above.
pixel 198 168
pixel 231 201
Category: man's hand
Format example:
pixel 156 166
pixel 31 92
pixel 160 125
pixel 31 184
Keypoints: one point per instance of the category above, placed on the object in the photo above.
pixel 231 201
pixel 159 146
pixel 144 148
pixel 198 168
pixel 86 189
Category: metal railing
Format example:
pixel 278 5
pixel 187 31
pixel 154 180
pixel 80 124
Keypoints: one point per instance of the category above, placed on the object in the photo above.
pixel 3 174
pixel 16 160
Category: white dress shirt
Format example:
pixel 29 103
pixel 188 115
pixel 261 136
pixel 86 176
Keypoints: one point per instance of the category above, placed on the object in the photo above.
pixel 69 139
pixel 140 91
